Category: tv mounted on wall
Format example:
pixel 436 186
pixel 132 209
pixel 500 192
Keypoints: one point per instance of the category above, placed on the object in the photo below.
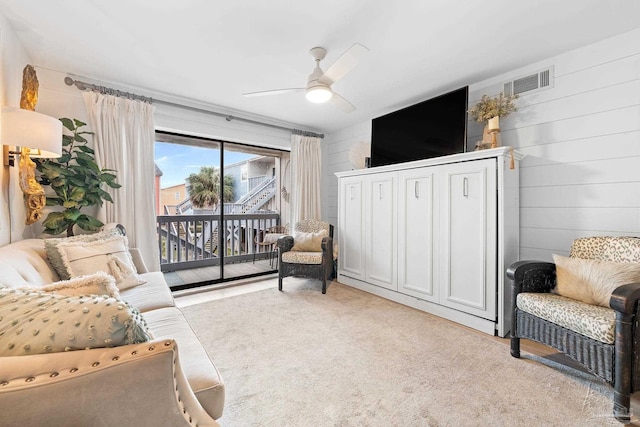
pixel 432 128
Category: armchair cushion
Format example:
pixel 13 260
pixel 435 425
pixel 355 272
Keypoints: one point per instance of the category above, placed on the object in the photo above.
pixel 308 242
pixel 587 319
pixel 592 281
pixel 606 248
pixel 297 257
pixel 623 249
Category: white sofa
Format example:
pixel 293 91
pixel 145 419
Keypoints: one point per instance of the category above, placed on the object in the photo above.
pixel 169 381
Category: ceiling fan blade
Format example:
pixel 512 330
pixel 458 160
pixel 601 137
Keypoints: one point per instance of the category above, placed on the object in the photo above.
pixel 345 63
pixel 342 103
pixel 273 92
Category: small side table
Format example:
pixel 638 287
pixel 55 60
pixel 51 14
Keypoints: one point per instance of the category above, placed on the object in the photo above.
pixel 270 240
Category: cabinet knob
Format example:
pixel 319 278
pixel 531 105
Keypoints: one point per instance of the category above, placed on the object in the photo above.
pixel 416 189
pixel 465 187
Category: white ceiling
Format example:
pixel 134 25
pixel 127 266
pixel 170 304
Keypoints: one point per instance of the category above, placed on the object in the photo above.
pixel 213 51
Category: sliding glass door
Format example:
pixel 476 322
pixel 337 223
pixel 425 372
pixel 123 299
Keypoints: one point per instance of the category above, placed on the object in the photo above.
pixel 215 202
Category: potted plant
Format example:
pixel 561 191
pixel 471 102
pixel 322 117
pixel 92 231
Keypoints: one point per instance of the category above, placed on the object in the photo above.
pixel 490 107
pixel 77 182
pixel 489 110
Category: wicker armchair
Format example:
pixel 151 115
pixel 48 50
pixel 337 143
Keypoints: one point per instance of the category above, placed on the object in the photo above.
pixel 604 340
pixel 310 254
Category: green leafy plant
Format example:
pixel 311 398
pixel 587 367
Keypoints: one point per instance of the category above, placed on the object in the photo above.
pixel 490 107
pixel 204 188
pixel 77 181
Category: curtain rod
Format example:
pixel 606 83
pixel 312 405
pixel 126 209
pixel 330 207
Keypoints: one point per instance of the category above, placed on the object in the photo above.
pixel 110 91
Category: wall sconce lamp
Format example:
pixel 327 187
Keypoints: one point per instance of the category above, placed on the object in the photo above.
pixel 27 134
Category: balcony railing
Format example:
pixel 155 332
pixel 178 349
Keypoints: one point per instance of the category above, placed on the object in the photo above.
pixel 254 181
pixel 192 241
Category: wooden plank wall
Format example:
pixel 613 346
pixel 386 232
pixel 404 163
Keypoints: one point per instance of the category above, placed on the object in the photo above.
pixel 581 138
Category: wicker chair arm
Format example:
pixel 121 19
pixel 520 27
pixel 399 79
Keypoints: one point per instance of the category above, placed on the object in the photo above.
pixel 327 247
pixel 285 243
pixel 624 299
pixel 532 276
pixel 327 243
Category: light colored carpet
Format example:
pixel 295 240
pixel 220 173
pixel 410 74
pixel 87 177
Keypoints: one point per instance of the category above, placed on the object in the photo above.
pixel 348 358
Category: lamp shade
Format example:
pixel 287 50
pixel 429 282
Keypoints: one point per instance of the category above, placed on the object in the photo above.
pixel 38 132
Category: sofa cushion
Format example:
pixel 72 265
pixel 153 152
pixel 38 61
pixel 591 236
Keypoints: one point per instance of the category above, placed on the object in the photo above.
pixel 110 254
pixel 25 263
pixel 202 374
pixel 294 257
pixel 592 281
pixel 590 320
pixel 54 255
pixel 33 322
pixel 153 294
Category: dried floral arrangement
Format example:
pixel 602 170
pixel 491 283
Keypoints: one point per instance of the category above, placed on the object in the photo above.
pixel 490 107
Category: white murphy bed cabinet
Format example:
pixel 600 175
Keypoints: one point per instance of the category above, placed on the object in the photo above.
pixel 434 234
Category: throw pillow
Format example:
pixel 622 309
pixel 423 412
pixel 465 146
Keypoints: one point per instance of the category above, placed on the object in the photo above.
pixel 110 255
pixel 308 242
pixel 55 258
pixel 592 281
pixel 34 322
pixel 99 283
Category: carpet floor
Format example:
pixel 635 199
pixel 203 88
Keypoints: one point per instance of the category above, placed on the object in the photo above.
pixel 349 358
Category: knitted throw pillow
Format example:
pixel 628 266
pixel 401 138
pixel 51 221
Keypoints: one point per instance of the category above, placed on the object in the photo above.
pixel 33 322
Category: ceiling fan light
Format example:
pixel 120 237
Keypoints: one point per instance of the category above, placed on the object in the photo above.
pixel 319 94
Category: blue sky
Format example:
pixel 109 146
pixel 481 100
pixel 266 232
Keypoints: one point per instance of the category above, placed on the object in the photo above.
pixel 178 161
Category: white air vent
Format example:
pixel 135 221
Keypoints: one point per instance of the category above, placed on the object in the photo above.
pixel 531 83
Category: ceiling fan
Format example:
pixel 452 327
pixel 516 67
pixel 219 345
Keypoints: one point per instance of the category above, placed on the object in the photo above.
pixel 319 83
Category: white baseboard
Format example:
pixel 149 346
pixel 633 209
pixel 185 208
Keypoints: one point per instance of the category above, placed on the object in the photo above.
pixel 474 322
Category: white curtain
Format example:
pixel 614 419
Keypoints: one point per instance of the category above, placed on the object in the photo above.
pixel 306 167
pixel 124 141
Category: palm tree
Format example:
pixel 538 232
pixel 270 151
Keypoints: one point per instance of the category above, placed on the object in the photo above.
pixel 204 188
pixel 227 189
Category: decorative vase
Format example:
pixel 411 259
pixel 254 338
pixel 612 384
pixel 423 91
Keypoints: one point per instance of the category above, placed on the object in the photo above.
pixel 486 136
pixel 493 126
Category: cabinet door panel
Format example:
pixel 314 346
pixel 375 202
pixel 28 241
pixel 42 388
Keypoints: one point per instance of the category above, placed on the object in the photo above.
pixel 380 234
pixel 417 221
pixel 351 234
pixel 468 236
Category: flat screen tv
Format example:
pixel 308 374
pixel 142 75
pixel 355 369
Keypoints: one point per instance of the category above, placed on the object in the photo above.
pixel 432 128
